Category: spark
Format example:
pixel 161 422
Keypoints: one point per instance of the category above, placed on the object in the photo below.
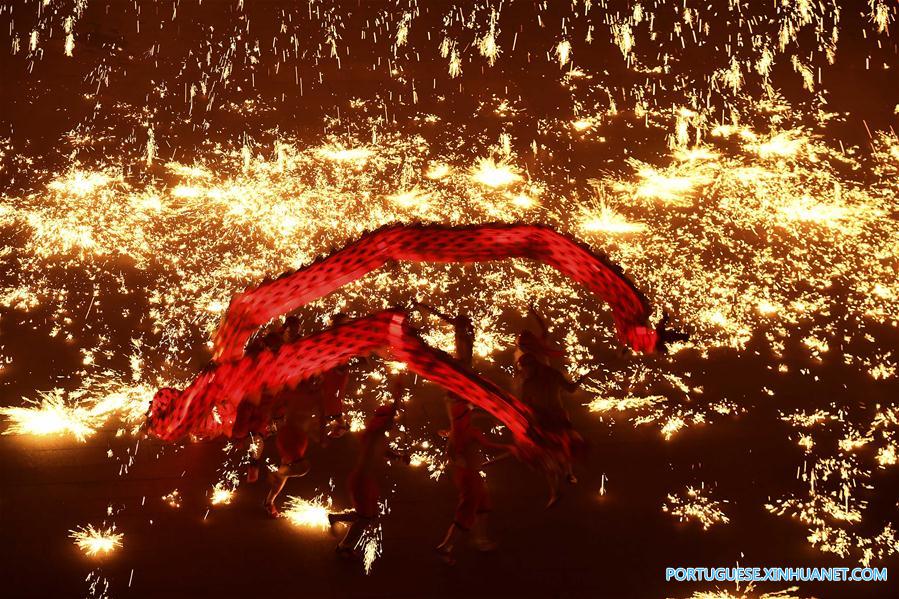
pixel 312 513
pixel 172 499
pixel 563 52
pixel 96 541
pixel 671 188
pixel 412 199
pixel 696 505
pixel 581 124
pixel 58 413
pixel 340 154
pixel 493 174
pixel 602 218
pixel 786 143
pixel 80 183
pixel 627 403
pixel 886 456
pixel 487 44
pixel 805 209
pixel 674 424
pixel 438 171
pixel 370 546
pixel 221 495
pixel 49 416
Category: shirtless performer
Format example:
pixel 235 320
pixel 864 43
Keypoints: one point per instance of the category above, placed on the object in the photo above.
pixel 363 480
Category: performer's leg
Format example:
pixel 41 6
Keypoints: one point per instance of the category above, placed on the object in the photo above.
pixel 445 548
pixel 344 516
pixel 335 518
pixel 577 449
pixel 292 444
pixel 334 384
pixel 276 481
pixel 470 488
pixel 347 546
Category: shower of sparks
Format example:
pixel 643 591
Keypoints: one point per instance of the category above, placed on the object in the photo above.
pixel 836 477
pixel 696 505
pixel 96 541
pixel 311 513
pixel 370 546
pixel 50 416
pixel 79 414
pixel 221 495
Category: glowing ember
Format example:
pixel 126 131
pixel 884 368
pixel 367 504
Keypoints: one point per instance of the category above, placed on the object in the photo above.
pixel 414 199
pixel 338 154
pixel 438 171
pixel 172 499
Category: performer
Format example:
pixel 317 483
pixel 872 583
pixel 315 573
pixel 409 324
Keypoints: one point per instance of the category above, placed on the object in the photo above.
pixel 363 480
pixel 292 439
pixel 252 422
pixel 253 419
pixel 463 331
pixel 251 426
pixel 209 405
pixel 541 389
pixel 334 381
pixel 536 344
pixel 464 449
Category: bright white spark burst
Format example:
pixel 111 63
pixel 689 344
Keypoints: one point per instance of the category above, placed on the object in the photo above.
pixel 96 541
pixel 221 494
pixel 308 513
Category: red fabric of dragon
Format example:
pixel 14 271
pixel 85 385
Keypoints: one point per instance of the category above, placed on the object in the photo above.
pixel 208 406
pixel 436 243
